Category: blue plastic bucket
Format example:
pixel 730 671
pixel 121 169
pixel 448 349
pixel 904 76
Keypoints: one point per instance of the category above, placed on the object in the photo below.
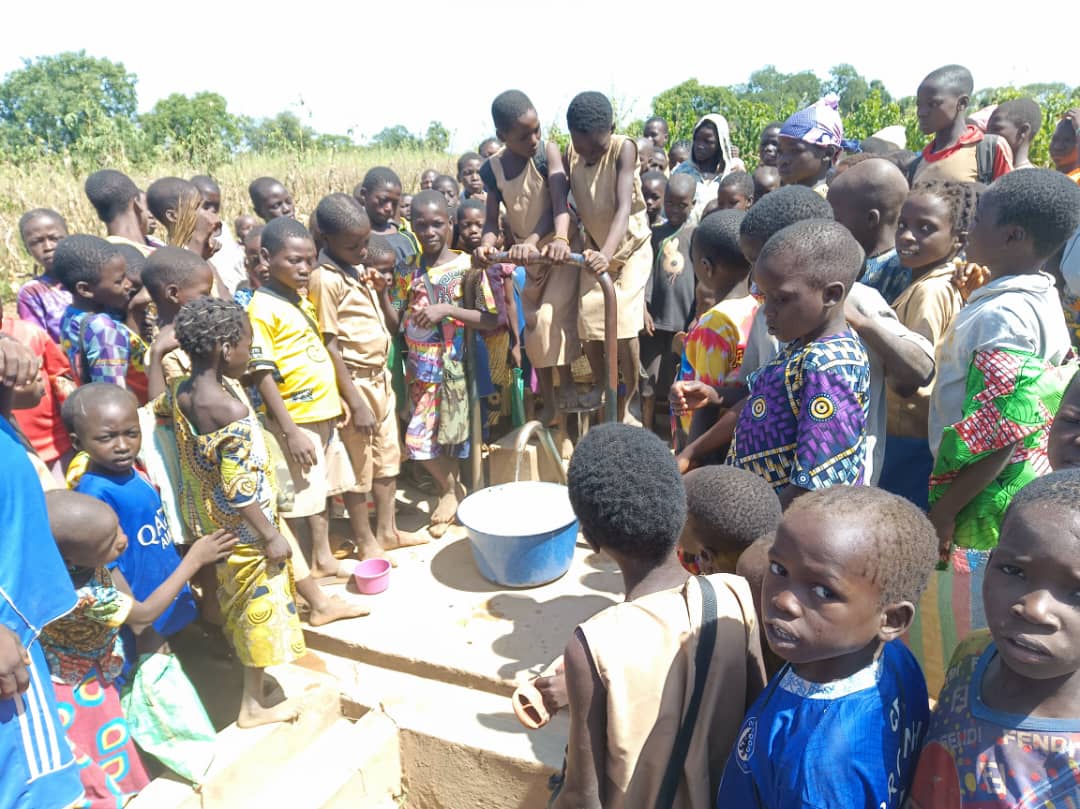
pixel 522 534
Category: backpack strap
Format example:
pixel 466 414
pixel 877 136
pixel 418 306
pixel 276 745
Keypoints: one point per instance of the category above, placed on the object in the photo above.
pixel 913 167
pixel 702 659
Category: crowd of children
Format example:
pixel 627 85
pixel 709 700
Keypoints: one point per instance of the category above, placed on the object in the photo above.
pixel 842 489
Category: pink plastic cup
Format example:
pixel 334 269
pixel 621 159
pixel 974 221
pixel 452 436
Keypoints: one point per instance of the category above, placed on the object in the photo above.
pixel 372 576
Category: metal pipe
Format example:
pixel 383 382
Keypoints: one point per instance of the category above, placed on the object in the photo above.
pixel 525 432
pixel 611 345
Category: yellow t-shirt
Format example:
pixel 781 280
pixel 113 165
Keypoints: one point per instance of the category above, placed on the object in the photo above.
pixel 286 340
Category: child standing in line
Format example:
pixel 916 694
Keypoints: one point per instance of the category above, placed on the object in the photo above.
pixel 526 175
pixel 715 346
pixel 653 186
pixel 435 337
pixel 866 199
pixel 995 393
pixel 766 179
pixel 627 709
pixel 845 571
pixel 253 266
pixel 351 306
pixel 1017 122
pixel 271 199
pixel 602 171
pixel 803 425
pixel 84 647
pixel 295 378
pixel 959 151
pixel 121 207
pixel 932 230
pixel 43 299
pixel 242 226
pixel 190 224
pixel 735 190
pixel 669 297
pixel 229 482
pixel 1007 722
pixel 105 425
pixel 468 175
pixel 809 143
pixel 769 144
pixel 97 343
pixel 41 424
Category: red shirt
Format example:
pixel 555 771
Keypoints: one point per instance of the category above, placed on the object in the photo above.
pixel 42 425
pixel 971 136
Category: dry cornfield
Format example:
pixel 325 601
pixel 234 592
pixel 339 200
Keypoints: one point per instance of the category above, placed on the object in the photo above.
pixel 309 176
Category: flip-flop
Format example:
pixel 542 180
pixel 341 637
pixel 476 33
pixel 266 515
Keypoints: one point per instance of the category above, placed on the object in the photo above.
pixel 529 707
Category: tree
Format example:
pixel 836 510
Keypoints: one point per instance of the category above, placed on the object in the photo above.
pixel 283 132
pixel 781 90
pixel 69 103
pixel 199 129
pixel 396 137
pixel 848 83
pixel 683 105
pixel 437 138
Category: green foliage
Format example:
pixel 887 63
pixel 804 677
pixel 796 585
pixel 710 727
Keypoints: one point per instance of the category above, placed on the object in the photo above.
pixel 871 114
pixel 70 103
pixel 285 132
pixel 198 129
pixel 437 137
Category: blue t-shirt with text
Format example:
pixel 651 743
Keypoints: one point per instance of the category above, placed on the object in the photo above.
pixel 150 557
pixel 849 743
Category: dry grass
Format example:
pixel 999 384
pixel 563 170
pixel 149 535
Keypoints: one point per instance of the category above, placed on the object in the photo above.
pixel 308 176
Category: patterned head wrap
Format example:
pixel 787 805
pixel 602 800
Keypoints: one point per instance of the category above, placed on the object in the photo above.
pixel 819 124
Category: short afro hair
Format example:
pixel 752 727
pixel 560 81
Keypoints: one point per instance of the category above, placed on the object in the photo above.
pixel 824 251
pixel 627 493
pixel 962 199
pixel 589 113
pixel 79 259
pixel 446 181
pixel 1021 111
pixel 956 79
pixel 168 193
pixel 653 176
pixel 655 119
pixel 471 204
pixel 731 507
pixel 486 142
pixel 34 214
pixel 876 146
pixel 717 238
pixel 260 187
pixel 280 230
pixel 681 183
pixel 1060 488
pixel 1045 203
pixel 783 207
pixel 88 399
pixel 337 213
pixel 429 198
pixel 740 181
pixel 170 266
pixel 110 192
pixel 206 184
pixel 465 158
pixel 903 543
pixel 378 247
pixel 206 324
pixel 134 262
pixel 377 177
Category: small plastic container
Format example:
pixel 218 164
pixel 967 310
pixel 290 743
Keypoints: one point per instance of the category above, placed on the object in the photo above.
pixel 372 576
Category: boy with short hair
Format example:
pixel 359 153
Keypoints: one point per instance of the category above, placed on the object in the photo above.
pixel 97 344
pixel 1008 719
pixel 1017 121
pixel 958 151
pixel 766 179
pixel 121 206
pixel 846 569
pixel 270 199
pixel 669 295
pixel 656 130
pixel 104 424
pixel 804 423
pixel 866 199
pixel 468 175
pixel 653 186
pixel 351 304
pixel 678 153
pixel 189 222
pixel 294 375
pixel 43 300
pixel 242 226
pixel 229 259
pixel 735 190
pixel 769 144
pixel 626 708
pixel 1065 145
pixel 996 389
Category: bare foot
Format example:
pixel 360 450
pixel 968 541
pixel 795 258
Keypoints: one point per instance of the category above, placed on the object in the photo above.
pixel 446 509
pixel 263 712
pixel 343 569
pixel 402 539
pixel 336 609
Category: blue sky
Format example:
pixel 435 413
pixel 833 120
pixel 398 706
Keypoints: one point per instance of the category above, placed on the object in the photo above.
pixel 355 67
